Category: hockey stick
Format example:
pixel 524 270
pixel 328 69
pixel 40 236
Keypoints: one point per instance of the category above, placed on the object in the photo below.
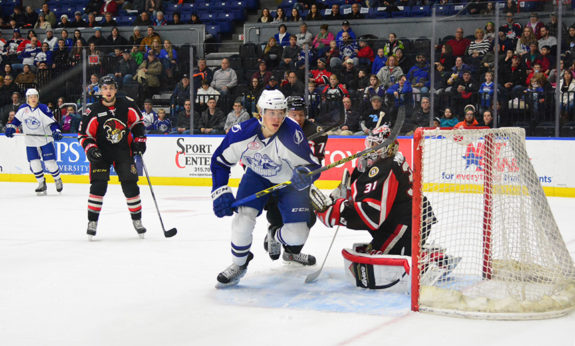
pixel 322 132
pixel 313 276
pixel 392 136
pixel 32 135
pixel 171 232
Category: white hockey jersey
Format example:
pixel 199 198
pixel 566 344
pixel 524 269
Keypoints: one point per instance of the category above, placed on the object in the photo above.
pixel 35 121
pixel 272 158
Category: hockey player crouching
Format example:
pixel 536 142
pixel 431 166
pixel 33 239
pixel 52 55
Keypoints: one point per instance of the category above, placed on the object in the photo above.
pixel 111 133
pixel 41 129
pixel 296 111
pixel 273 150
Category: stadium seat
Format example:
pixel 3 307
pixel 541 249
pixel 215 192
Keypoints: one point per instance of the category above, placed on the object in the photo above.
pixel 443 10
pixel 403 11
pixel 189 8
pixel 458 9
pixel 530 5
pixel 226 22
pixel 252 4
pixel 420 11
pixel 380 12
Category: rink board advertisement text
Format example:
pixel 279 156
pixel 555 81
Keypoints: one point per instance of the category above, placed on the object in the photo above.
pixel 185 160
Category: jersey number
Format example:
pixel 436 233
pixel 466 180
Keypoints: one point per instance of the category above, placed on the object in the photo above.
pixel 370 187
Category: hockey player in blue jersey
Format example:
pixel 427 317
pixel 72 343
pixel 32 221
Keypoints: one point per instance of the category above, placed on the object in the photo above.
pixel 41 129
pixel 273 149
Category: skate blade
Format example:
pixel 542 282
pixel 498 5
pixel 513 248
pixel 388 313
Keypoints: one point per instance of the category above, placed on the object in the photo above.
pixel 220 285
pixel 43 193
pixel 141 236
pixel 90 237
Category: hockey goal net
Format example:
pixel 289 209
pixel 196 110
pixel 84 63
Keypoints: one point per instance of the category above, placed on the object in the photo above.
pixel 486 245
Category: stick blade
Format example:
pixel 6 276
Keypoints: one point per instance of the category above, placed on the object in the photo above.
pixel 312 277
pixel 171 232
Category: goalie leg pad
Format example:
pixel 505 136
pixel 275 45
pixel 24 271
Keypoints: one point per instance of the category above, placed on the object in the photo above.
pixel 377 271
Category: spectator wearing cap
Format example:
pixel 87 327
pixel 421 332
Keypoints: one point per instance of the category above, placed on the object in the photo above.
pixel 273 84
pixel 304 36
pixel 147 41
pixel 49 15
pixel 348 74
pixel 390 73
pixel 144 20
pixel 212 120
pixel 282 37
pixel 370 116
pixel 464 92
pixel 42 23
pixel 64 22
pixel 459 44
pixel 345 27
pixel 30 17
pixel 294 87
pixel 535 24
pixel 322 40
pixel 108 20
pixel 321 75
pixel 333 13
pixel 469 120
pixel 79 22
pixel 109 6
pixel 50 39
pixel 290 55
pixel 546 39
pixel 124 71
pixel 225 78
pixel 236 116
pixel 149 115
pixel 364 53
pixel 115 40
pixel 180 94
pixel 418 76
pixel 355 12
pixel 148 75
pixel 262 74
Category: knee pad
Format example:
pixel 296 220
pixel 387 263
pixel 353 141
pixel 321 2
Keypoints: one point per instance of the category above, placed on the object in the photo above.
pixel 36 166
pixel 375 270
pixel 293 234
pixel 130 188
pixel 99 188
pixel 52 166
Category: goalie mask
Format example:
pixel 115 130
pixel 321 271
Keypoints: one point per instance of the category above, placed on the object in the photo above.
pixel 375 138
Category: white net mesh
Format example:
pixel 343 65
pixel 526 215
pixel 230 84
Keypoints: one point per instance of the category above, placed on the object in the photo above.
pixel 495 250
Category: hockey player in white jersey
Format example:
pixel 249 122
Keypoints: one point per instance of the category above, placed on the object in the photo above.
pixel 41 129
pixel 273 149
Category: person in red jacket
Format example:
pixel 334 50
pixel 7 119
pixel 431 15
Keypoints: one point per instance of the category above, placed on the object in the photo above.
pixel 321 75
pixel 458 44
pixel 365 53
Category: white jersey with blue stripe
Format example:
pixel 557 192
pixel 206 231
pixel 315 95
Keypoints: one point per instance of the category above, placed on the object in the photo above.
pixel 273 158
pixel 36 121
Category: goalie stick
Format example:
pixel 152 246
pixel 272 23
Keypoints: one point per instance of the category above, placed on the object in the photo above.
pixel 392 136
pixel 344 185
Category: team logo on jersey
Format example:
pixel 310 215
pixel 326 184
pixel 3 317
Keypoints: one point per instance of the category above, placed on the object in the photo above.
pixel 298 137
pixel 115 130
pixel 88 111
pixel 262 165
pixel 32 123
pixel 255 145
pixel 373 172
pixel 236 128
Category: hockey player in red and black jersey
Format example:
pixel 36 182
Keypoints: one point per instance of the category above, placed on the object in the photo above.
pixel 297 112
pixel 112 132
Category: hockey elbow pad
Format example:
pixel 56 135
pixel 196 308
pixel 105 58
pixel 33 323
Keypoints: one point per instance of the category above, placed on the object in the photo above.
pixel 332 215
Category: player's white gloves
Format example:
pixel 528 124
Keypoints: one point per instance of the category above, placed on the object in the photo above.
pixel 332 215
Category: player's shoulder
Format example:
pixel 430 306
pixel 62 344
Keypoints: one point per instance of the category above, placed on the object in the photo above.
pixel 126 100
pixel 244 130
pixel 44 108
pixel 22 106
pixel 291 134
pixel 309 128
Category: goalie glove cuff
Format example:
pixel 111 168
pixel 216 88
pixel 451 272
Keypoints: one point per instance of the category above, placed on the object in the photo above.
pixel 332 215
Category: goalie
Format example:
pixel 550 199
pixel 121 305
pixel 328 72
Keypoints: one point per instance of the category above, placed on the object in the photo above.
pixel 379 200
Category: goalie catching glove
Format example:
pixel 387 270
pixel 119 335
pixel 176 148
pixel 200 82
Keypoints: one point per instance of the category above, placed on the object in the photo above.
pixel 332 215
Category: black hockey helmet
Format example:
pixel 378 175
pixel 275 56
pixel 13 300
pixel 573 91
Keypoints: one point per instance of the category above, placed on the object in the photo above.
pixel 107 80
pixel 296 103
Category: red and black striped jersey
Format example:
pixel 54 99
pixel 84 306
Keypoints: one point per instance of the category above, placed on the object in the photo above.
pixel 317 144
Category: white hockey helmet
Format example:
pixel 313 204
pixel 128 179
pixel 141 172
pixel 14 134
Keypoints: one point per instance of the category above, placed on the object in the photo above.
pixel 271 99
pixel 31 91
pixel 377 137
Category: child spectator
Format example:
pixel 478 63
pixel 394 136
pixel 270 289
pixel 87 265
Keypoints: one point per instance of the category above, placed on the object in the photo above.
pixel 163 125
pixel 374 88
pixel 378 61
pixel 448 120
pixel 486 91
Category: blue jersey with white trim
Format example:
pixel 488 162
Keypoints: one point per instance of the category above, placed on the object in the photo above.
pixel 35 121
pixel 273 158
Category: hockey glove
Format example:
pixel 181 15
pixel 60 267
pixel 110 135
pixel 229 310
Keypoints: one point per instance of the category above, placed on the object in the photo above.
pixel 10 131
pixel 332 215
pixel 94 154
pixel 300 180
pixel 319 201
pixel 223 199
pixel 139 145
pixel 57 135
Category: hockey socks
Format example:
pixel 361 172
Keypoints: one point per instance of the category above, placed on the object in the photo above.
pixel 94 207
pixel 135 207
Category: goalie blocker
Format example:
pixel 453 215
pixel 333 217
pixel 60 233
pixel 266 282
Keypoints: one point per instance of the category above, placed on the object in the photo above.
pixel 371 269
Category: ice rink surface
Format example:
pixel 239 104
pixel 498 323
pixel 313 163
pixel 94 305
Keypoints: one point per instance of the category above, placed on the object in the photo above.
pixel 57 288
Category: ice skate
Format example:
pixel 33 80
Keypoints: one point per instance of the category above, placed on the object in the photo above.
pixel 139 228
pixel 436 265
pixel 300 258
pixel 271 245
pixel 59 185
pixel 91 231
pixel 232 275
pixel 41 189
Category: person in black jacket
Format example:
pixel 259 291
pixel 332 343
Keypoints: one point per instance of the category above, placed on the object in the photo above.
pixel 212 120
